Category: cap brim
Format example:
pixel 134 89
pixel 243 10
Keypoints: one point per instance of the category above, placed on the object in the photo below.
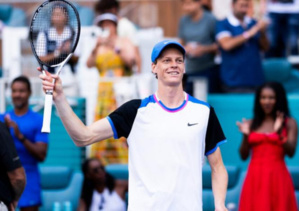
pixel 170 43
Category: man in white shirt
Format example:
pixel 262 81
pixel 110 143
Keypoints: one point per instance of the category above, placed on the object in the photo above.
pixel 168 133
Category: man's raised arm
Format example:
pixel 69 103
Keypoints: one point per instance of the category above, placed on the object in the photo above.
pixel 81 134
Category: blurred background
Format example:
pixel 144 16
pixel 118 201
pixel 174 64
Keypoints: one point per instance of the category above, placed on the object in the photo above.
pixel 154 20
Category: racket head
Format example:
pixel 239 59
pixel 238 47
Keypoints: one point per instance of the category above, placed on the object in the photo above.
pixel 43 31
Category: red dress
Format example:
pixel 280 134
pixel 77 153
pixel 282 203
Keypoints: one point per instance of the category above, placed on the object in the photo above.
pixel 268 185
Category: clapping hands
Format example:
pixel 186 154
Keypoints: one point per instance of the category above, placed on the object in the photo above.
pixel 278 121
pixel 244 126
pixel 11 124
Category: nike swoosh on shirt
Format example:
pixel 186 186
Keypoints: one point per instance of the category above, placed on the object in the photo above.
pixel 192 124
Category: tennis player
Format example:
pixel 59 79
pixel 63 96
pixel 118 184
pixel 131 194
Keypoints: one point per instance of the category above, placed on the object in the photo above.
pixel 168 134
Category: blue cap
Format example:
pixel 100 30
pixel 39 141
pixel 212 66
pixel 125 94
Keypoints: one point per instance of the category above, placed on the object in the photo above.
pixel 158 48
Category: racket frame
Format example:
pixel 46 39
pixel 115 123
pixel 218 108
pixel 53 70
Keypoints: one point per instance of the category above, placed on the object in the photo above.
pixel 41 63
pixel 49 93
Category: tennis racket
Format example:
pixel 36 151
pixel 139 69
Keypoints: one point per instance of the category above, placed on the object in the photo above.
pixel 54 35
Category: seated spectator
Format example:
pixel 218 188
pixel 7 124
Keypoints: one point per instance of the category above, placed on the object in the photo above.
pixel 100 191
pixel 241 38
pixel 197 34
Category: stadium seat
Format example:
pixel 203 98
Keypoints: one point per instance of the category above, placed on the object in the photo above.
pixel 235 182
pixel 60 184
pixel 118 171
pixel 281 70
pixel 12 16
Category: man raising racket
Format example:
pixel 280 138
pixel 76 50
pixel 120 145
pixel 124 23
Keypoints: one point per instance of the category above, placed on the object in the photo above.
pixel 168 135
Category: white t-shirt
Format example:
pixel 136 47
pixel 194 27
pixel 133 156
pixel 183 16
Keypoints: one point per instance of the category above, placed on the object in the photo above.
pixel 107 201
pixel 277 7
pixel 166 151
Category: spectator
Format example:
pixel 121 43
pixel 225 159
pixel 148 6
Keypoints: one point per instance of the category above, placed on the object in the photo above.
pixel 12 174
pixel 197 34
pixel 25 127
pixel 114 57
pixel 125 28
pixel 121 46
pixel 58 41
pixel 169 134
pixel 283 31
pixel 270 135
pixel 100 191
pixel 241 39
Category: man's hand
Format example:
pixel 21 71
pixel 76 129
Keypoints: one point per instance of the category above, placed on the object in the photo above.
pixel 49 84
pixel 194 49
pixel 66 47
pixel 11 124
pixel 262 25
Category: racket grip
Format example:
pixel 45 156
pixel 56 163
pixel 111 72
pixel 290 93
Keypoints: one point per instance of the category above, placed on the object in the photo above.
pixel 47 113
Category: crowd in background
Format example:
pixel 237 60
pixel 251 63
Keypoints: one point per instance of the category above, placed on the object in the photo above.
pixel 227 53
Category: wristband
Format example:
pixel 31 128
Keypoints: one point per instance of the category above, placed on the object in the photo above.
pixel 245 35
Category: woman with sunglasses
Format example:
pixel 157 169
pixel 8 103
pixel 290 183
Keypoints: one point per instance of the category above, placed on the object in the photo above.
pixel 100 190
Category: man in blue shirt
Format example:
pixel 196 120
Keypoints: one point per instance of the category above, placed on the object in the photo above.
pixel 25 127
pixel 241 38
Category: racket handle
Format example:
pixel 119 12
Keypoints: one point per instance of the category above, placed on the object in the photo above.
pixel 47 113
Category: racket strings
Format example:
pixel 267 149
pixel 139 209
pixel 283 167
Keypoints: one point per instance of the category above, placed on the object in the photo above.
pixel 55 31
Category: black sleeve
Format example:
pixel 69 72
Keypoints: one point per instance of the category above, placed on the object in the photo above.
pixel 215 135
pixel 122 119
pixel 9 158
